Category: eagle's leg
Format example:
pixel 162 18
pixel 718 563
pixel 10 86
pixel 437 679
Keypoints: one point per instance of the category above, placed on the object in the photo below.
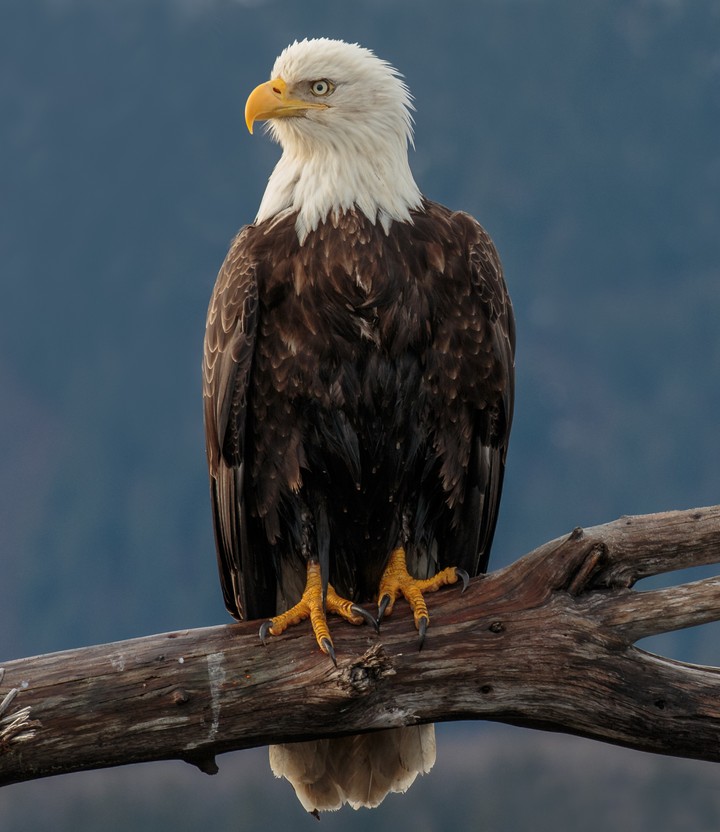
pixel 313 606
pixel 396 581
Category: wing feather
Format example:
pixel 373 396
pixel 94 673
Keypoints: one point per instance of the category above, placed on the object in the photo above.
pixel 495 407
pixel 476 380
pixel 230 336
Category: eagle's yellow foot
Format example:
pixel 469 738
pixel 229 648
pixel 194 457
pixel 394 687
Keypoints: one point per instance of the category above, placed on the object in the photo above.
pixel 396 580
pixel 311 606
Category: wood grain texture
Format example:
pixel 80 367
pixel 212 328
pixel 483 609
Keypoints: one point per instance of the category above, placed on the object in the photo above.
pixel 547 642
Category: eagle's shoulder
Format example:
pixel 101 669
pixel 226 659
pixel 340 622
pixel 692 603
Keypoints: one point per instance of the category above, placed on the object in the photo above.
pixel 479 256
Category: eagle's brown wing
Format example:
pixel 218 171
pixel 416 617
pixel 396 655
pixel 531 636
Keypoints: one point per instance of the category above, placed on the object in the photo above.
pixel 230 335
pixel 476 389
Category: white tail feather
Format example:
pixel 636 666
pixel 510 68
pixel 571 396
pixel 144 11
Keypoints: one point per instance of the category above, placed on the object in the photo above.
pixel 360 770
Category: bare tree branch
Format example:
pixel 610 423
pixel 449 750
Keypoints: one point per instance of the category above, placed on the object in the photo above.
pixel 547 642
pixel 638 615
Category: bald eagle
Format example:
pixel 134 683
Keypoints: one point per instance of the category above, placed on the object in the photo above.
pixel 358 390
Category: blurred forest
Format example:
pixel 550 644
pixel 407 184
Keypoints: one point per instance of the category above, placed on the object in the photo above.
pixel 584 136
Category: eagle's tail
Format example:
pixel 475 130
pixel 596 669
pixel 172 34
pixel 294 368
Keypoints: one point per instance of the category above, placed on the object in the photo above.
pixel 359 770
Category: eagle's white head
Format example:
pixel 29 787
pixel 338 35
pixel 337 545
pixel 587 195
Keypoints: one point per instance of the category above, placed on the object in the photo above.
pixel 342 117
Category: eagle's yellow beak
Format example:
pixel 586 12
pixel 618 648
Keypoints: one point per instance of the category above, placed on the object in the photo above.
pixel 270 100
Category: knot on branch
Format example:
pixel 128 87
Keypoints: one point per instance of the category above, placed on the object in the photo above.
pixel 593 560
pixel 364 674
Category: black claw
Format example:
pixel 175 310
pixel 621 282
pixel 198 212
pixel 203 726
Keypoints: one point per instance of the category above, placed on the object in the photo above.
pixel 422 629
pixel 264 631
pixel 328 648
pixel 464 577
pixel 370 619
pixel 382 606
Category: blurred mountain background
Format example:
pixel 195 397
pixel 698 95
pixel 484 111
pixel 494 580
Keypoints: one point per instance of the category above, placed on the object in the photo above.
pixel 584 136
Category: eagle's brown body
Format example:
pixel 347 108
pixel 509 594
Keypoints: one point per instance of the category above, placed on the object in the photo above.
pixel 358 396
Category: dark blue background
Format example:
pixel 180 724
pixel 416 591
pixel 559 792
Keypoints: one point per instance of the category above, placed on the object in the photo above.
pixel 584 136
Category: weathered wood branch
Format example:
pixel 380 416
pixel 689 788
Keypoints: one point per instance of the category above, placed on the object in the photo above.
pixel 547 642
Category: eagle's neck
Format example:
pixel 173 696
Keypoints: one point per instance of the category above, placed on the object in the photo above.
pixel 320 179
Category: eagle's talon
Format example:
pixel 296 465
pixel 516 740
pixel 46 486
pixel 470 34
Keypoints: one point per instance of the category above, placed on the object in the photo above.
pixel 367 617
pixel 312 605
pixel 422 629
pixel 264 631
pixel 383 604
pixel 464 577
pixel 327 647
pixel 396 581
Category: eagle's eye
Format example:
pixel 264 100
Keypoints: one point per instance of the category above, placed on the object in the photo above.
pixel 321 87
